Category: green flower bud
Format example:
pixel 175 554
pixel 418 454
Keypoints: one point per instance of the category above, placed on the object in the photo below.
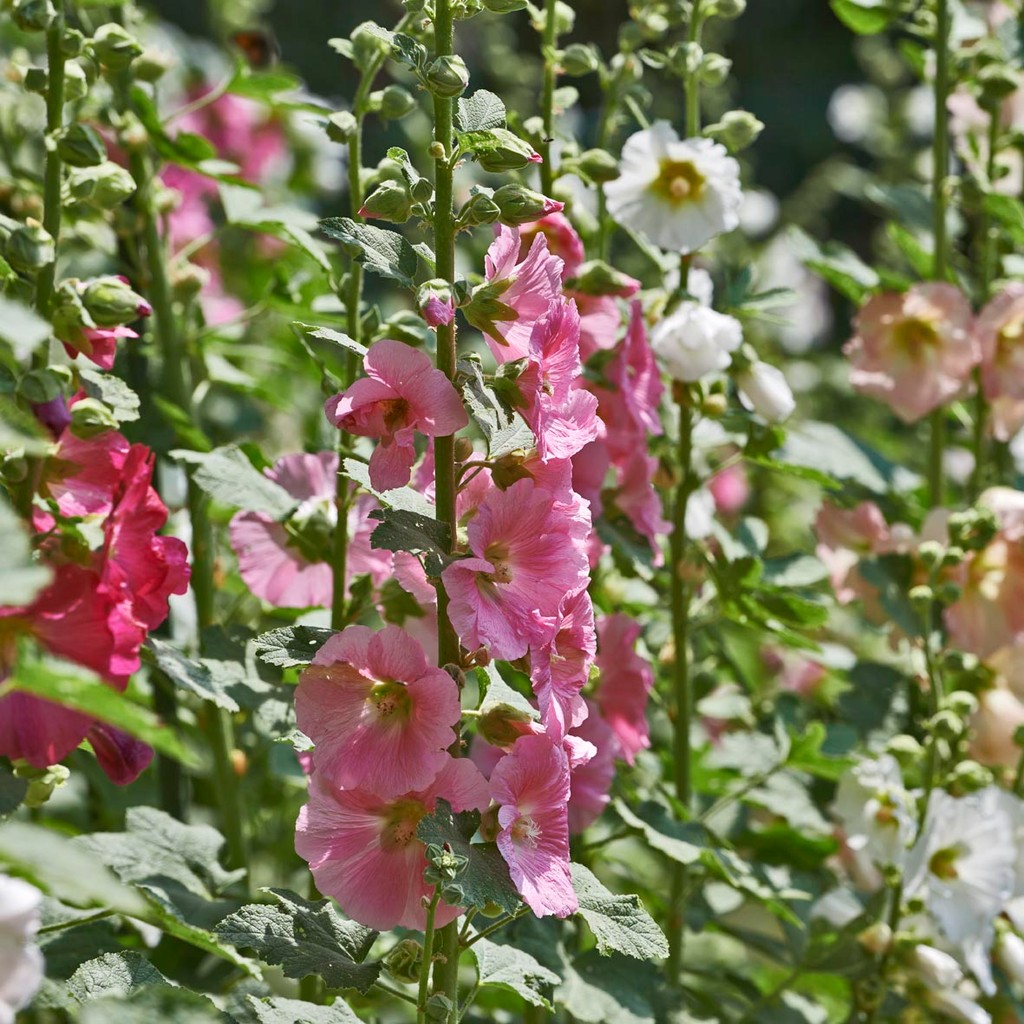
pixel 946 725
pixel 151 65
pixel 521 205
pixel 953 556
pixel 730 8
pixel 961 703
pixel 14 468
pixel 997 81
pixel 686 58
pixel 369 41
pixel 39 386
pixel 905 749
pixel 737 130
pixel 341 126
pixel 439 1007
pixel 41 781
pixel 421 190
pixel 948 592
pixel 90 417
pixel 390 201
pixel 188 281
pixel 598 165
pixel 76 82
pixel 876 939
pixel 79 145
pixel 504 6
pixel 1018 736
pixel 579 59
pixel 930 553
pixel 598 278
pixel 30 248
pixel 111 302
pixel 36 80
pixel 502 725
pixel 714 69
pixel 453 894
pixel 396 102
pixel 104 186
pixel 969 777
pixel 447 76
pixel 115 48
pixel 973 529
pixel 403 960
pixel 499 150
pixel 72 44
pixel 921 596
pixel 479 209
pixel 33 15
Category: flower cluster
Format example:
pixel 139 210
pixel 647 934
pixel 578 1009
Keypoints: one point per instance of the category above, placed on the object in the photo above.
pixel 95 517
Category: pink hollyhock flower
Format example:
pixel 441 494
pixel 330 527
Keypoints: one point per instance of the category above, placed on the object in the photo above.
pixel 379 714
pixel 999 331
pixel 401 394
pixel 516 295
pixel 600 322
pixel 562 239
pixel 98 344
pixel 437 306
pixel 83 474
pixel 363 850
pixel 844 537
pixel 591 781
pixel 283 563
pixel 122 757
pixel 531 787
pixel 913 351
pixel 562 417
pixel 634 375
pixel 560 668
pixel 731 489
pixel 637 499
pixel 624 683
pixel 527 554
pixel 590 469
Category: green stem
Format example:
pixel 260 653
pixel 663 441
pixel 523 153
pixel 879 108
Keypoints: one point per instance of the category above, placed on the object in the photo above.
pixel 547 170
pixel 940 181
pixel 52 170
pixel 428 957
pixel 492 928
pixel 446 971
pixel 693 79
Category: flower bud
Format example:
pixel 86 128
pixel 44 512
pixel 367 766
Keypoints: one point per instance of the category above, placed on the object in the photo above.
pixel 33 15
pixel 737 130
pixel 72 44
pixel 403 960
pixel 520 205
pixel 396 102
pixel 30 248
pixel 104 186
pixel 53 414
pixel 501 725
pixel 714 69
pixel 439 1007
pixel 686 58
pixel 596 277
pixel 453 894
pixel 435 302
pixel 111 302
pixel 13 468
pixel 504 151
pixel 973 529
pixel 78 145
pixel 151 65
pixel 463 449
pixel 764 390
pixel 946 725
pixel 447 76
pixel 368 43
pixel 421 190
pixel 36 80
pixel 90 417
pixel 997 81
pixel 876 939
pixel 938 969
pixel 730 8
pixel 188 280
pixel 390 201
pixel 1009 955
pixel 579 59
pixel 921 597
pixel 961 703
pixel 598 165
pixel 479 209
pixel 41 781
pixel 114 47
pixel 969 777
pixel 714 406
pixel 504 6
pixel 930 553
pixel 906 749
pixel 341 126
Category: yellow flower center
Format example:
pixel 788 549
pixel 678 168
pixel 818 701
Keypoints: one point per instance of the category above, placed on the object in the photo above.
pixel 913 336
pixel 1010 336
pixel 678 182
pixel 497 555
pixel 943 864
pixel 525 831
pixel 400 825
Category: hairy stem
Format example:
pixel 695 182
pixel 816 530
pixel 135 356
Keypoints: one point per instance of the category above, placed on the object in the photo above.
pixel 428 956
pixel 550 41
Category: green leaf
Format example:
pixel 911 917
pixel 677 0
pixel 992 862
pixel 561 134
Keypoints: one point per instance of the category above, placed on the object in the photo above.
pixel 485 878
pixel 619 923
pixel 504 431
pixel 408 51
pixel 384 252
pixel 342 341
pixel 405 498
pixel 186 432
pixel 77 688
pixel 19 429
pixel 600 990
pixel 1009 211
pixel 511 968
pixel 22 328
pixel 154 1004
pixel 291 646
pixel 21 578
pixel 277 1010
pixel 113 974
pixel 400 530
pixel 480 112
pixel 682 842
pixel 227 476
pixel 189 675
pixel 839 265
pixel 112 392
pixel 304 938
pixel 806 755
pixel 865 17
pixel 496 693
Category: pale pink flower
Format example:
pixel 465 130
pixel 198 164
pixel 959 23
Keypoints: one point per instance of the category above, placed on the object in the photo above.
pixel 591 781
pixel 560 668
pixel 913 351
pixel 844 536
pixel 638 500
pixel 527 555
pixel 999 715
pixel 730 488
pixel 600 322
pixel 531 787
pixel 999 331
pixel 363 850
pixel 379 714
pixel 989 613
pixel 401 394
pixel 624 683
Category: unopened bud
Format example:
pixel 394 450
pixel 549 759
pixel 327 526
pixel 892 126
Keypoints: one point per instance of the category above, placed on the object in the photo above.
pixel 598 165
pixel 969 777
pixel 463 449
pixel 188 280
pixel 114 47
pixel 403 960
pixel 596 277
pixel 435 302
pixel 579 59
pixel 961 703
pixel 479 209
pixel 396 102
pixel 906 749
pixel 41 781
pixel 40 387
pixel 72 44
pixel 714 69
pixel 447 76
pixel 500 150
pixel 453 894
pixel 30 248
pixel 946 725
pixel 104 186
pixel 36 80
pixel 90 417
pixel 111 301
pixel 501 725
pixel 390 201
pixel 151 65
pixel 439 1007
pixel 368 43
pixel 714 405
pixel 729 8
pixel 737 130
pixel 520 205
pixel 876 939
pixel 930 553
pixel 33 15
pixel 341 126
pixel 79 145
pixel 686 58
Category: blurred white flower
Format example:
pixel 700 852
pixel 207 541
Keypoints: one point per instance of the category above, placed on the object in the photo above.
pixel 874 810
pixel 680 193
pixel 854 110
pixel 937 969
pixel 1009 954
pixel 21 963
pixel 700 514
pixel 759 212
pixel 959 1006
pixel 764 390
pixel 808 317
pixel 695 341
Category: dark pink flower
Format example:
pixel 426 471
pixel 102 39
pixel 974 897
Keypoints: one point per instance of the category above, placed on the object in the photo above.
pixel 99 344
pixel 624 683
pixel 363 850
pixel 121 756
pixel 531 787
pixel 401 394
pixel 379 714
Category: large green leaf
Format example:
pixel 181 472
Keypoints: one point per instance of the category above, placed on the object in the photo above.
pixel 511 968
pixel 227 476
pixel 619 923
pixel 384 252
pixel 277 1010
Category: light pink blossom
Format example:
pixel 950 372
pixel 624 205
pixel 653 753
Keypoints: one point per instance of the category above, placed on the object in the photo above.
pixel 730 488
pixel 591 781
pixel 913 351
pixel 624 683
pixel 401 394
pixel 999 331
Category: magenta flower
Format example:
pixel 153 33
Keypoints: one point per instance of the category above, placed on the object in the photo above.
pixel 401 394
pixel 531 787
pixel 913 351
pixel 98 344
pixel 591 781
pixel 83 474
pixel 528 554
pixel 379 714
pixel 624 685
pixel 363 850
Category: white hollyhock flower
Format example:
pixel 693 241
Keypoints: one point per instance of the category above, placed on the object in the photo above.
pixel 963 866
pixel 765 390
pixel 21 963
pixel 874 810
pixel 959 1006
pixel 695 341
pixel 680 193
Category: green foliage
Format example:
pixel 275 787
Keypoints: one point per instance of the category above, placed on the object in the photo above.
pixel 227 476
pixel 508 967
pixel 619 923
